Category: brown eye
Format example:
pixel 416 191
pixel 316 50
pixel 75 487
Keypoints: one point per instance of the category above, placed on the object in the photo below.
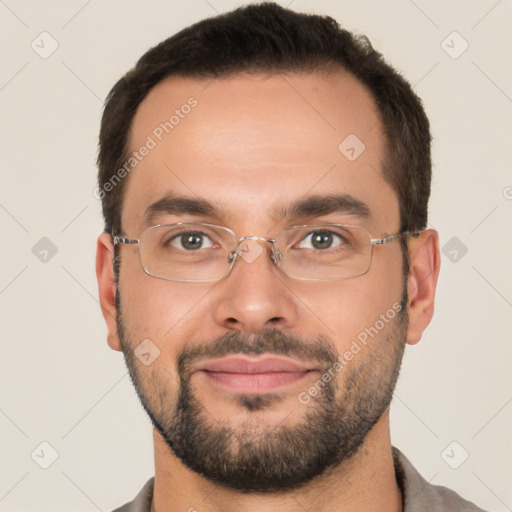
pixel 321 240
pixel 191 241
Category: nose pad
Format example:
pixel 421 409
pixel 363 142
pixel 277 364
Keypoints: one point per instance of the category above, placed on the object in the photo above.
pixel 249 250
pixel 276 256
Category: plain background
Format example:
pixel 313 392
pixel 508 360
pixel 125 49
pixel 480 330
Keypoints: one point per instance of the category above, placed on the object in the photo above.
pixel 59 381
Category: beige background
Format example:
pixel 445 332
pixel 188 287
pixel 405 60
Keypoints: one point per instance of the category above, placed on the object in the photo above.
pixel 59 381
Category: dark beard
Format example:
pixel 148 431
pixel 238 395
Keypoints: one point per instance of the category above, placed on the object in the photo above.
pixel 258 458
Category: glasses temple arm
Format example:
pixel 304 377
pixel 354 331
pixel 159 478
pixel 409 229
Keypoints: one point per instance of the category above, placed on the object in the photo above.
pixel 390 238
pixel 123 240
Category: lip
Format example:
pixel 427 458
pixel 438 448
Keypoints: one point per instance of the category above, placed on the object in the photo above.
pixel 244 374
pixel 244 364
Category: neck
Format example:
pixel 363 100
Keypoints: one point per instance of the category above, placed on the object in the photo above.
pixel 365 482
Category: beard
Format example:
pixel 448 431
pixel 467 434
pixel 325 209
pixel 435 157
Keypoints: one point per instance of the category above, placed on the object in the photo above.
pixel 255 457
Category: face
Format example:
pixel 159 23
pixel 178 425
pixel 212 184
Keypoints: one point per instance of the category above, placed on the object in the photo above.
pixel 262 382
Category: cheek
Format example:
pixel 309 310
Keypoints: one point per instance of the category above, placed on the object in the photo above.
pixel 344 309
pixel 156 309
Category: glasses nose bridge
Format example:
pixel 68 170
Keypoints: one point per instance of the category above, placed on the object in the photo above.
pixel 237 252
pixel 256 238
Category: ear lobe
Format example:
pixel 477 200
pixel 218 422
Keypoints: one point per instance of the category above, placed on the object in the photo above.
pixel 107 287
pixel 424 268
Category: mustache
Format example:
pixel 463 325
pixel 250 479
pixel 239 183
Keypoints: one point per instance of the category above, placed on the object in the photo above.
pixel 269 341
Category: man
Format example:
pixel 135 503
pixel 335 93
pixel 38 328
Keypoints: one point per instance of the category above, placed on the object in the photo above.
pixel 265 177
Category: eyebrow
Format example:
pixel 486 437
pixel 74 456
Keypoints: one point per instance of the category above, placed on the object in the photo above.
pixel 315 206
pixel 304 208
pixel 171 204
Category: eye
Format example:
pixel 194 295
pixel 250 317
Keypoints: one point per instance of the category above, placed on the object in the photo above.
pixel 321 240
pixel 191 241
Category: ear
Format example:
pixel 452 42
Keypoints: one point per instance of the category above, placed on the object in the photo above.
pixel 107 287
pixel 425 262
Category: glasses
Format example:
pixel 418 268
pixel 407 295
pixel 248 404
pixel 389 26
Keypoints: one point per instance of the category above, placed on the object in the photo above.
pixel 200 253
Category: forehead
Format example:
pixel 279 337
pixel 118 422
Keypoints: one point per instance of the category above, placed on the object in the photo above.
pixel 251 143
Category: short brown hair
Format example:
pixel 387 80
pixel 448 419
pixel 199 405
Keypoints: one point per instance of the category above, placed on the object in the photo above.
pixel 268 38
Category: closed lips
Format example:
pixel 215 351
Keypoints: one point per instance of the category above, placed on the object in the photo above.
pixel 242 374
pixel 237 364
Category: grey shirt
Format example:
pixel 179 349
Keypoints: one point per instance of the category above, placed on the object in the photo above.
pixel 417 493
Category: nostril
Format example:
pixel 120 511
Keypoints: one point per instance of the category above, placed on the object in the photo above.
pixel 275 319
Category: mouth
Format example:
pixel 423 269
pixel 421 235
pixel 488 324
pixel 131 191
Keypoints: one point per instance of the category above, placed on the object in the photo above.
pixel 242 374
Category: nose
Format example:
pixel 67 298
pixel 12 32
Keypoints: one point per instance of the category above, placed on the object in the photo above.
pixel 254 296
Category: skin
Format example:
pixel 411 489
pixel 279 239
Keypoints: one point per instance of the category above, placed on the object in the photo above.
pixel 254 144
